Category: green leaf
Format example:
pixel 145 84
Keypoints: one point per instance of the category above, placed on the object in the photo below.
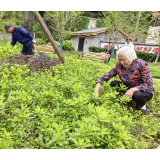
pixel 65 130
pixel 18 110
pixel 27 109
pixel 87 139
pixel 88 145
pixel 74 140
pixel 2 142
pixel 153 133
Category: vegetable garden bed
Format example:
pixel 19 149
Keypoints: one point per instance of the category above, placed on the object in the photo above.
pixel 54 108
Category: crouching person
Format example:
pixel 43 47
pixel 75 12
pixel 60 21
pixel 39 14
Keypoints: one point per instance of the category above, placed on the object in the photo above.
pixel 133 73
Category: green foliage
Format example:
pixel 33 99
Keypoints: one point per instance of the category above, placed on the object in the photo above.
pixel 100 23
pixel 55 109
pixel 84 22
pixel 100 49
pixel 39 34
pixel 127 20
pixel 93 14
pixel 39 41
pixel 63 23
pixel 16 18
pixel 6 50
pixel 66 44
pixel 146 56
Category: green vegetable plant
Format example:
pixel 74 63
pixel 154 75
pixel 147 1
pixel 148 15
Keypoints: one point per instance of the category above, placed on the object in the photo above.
pixel 54 108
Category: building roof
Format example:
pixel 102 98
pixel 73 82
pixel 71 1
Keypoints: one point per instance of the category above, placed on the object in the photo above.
pixel 94 31
pixel 91 30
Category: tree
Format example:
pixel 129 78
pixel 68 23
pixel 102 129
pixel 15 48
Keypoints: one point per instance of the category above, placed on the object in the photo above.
pixel 131 22
pixel 93 14
pixel 64 22
pixel 27 20
pixel 113 22
pixel 2 13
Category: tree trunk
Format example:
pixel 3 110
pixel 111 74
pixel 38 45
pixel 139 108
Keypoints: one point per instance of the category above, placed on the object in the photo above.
pixel 47 32
pixel 137 25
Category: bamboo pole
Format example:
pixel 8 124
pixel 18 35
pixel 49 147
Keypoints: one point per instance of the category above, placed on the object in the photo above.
pixel 48 34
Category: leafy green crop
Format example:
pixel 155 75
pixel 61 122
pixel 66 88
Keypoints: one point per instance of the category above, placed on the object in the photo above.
pixel 55 109
pixel 7 51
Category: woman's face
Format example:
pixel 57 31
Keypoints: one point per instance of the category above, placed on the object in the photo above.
pixel 123 61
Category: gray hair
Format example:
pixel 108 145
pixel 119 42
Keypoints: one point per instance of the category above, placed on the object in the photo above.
pixel 7 26
pixel 128 52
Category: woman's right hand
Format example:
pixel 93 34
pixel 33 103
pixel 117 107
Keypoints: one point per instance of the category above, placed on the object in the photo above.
pixel 95 95
pixel 96 90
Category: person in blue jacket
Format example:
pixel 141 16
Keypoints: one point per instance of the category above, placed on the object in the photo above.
pixel 21 35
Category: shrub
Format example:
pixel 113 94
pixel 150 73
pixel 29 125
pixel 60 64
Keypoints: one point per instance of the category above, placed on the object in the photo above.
pixel 146 56
pixel 6 50
pixel 39 41
pixel 100 49
pixel 68 45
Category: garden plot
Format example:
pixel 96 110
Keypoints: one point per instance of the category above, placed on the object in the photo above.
pixel 54 108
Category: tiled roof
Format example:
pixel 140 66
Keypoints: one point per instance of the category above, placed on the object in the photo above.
pixel 90 30
pixel 95 31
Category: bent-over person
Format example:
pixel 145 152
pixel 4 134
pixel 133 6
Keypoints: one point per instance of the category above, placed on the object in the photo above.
pixel 21 35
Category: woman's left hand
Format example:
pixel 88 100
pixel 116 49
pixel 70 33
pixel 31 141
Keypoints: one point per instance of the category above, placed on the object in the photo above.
pixel 129 94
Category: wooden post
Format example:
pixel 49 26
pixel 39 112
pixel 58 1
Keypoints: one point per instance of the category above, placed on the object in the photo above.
pixel 47 32
pixel 157 57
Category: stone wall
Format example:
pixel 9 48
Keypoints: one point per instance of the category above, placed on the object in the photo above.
pixel 92 23
pixel 8 37
pixel 153 33
pixel 75 41
pixel 91 41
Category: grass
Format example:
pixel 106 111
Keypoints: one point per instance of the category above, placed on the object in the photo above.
pixel 154 67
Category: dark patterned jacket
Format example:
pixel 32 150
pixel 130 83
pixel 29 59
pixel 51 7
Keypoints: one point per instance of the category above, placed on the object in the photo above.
pixel 137 75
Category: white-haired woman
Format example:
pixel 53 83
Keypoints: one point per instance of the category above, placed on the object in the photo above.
pixel 135 74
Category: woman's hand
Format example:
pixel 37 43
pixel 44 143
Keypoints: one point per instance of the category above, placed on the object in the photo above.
pixel 129 93
pixel 96 90
pixel 95 95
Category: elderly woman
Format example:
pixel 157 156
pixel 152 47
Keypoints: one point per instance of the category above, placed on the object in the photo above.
pixel 135 74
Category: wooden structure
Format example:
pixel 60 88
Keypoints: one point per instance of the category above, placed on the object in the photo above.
pixel 46 48
pixel 103 58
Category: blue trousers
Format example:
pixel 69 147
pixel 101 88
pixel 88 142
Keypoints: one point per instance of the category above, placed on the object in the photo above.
pixel 140 97
pixel 27 49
